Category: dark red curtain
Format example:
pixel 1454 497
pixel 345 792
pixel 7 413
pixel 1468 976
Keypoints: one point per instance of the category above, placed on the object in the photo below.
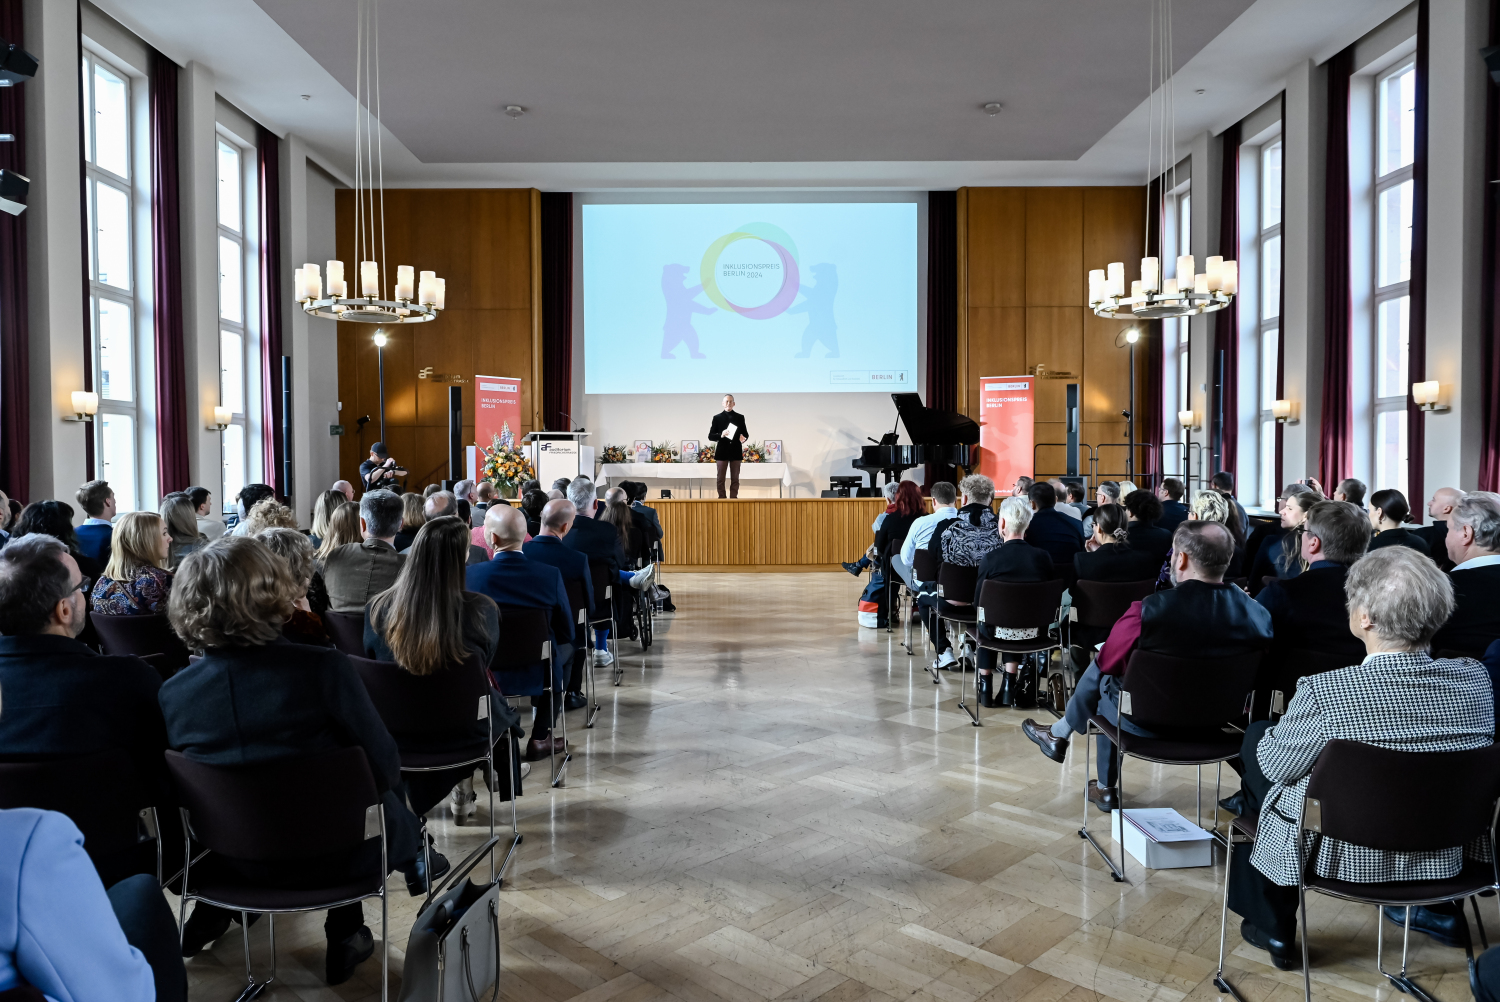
pixel 172 422
pixel 1489 445
pixel 1149 422
pixel 557 311
pixel 942 313
pixel 1224 366
pixel 15 354
pixel 1416 361
pixel 1336 431
pixel 268 176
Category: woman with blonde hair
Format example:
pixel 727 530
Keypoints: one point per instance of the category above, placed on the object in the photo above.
pixel 309 596
pixel 136 581
pixel 1212 506
pixel 413 517
pixel 328 502
pixel 343 527
pixel 269 514
pixel 181 517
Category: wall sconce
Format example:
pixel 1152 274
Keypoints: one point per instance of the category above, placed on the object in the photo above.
pixel 222 417
pixel 85 406
pixel 1188 420
pixel 1425 395
pixel 1284 411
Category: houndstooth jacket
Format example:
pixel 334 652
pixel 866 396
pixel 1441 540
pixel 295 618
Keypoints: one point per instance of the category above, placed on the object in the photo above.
pixel 1408 702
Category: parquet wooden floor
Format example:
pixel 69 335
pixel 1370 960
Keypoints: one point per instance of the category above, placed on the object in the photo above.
pixel 779 805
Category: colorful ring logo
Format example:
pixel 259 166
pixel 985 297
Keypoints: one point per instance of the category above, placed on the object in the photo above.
pixel 785 248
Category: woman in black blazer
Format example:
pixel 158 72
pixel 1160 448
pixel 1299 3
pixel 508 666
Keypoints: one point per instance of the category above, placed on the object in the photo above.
pixel 1110 555
pixel 1142 509
pixel 1388 514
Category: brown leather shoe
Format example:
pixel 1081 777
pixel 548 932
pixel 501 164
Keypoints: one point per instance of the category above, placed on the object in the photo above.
pixel 1106 798
pixel 540 748
pixel 1052 746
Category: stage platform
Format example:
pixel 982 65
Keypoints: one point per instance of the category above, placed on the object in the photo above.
pixel 765 534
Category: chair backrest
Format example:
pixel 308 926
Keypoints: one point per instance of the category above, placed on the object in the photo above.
pixel 578 599
pixel 99 793
pixel 296 808
pixel 140 635
pixel 1404 801
pixel 347 629
pixel 1020 605
pixel 1102 603
pixel 1186 692
pixel 924 564
pixel 445 702
pixel 523 638
pixel 957 584
pixel 603 581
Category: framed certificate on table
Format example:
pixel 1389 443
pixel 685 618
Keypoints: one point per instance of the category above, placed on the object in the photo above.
pixel 689 450
pixel 773 450
pixel 641 450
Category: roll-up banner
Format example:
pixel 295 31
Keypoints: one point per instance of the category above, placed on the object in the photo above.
pixel 1006 429
pixel 497 411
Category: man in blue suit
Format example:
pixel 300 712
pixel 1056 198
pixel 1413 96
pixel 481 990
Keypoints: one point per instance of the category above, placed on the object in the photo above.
pixel 547 547
pixel 513 579
pixel 1051 530
pixel 95 534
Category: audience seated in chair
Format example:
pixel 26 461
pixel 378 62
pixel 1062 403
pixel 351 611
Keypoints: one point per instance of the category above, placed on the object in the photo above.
pixel 532 503
pixel 1436 535
pixel 1060 492
pixel 1308 612
pixel 268 513
pixel 209 524
pixel 894 525
pixel 413 517
pixel 323 508
pixel 55 519
pixel 637 492
pixel 426 622
pixel 445 504
pixel 1210 506
pixel 1473 544
pixel 1350 490
pixel 1389 514
pixel 547 547
pixel 1014 559
pixel 1279 553
pixel 1061 536
pixel 1238 523
pixel 1109 555
pixel 961 541
pixel 136 581
pixel 1173 511
pixel 920 533
pixel 249 496
pixel 604 544
pixel 1200 617
pixel 867 558
pixel 513 579
pixel 253 697
pixel 1142 509
pixel 309 597
pixel 356 572
pixel 61 699
pixel 484 495
pixel 98 503
pixel 343 528
pixel 1397 599
pixel 179 516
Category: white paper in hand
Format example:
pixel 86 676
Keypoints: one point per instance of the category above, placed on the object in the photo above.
pixel 729 432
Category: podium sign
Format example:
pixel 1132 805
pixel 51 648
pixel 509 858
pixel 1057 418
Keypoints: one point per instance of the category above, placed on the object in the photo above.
pixel 557 454
pixel 497 411
pixel 1007 433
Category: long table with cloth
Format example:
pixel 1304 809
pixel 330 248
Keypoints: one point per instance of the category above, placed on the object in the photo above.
pixel 613 473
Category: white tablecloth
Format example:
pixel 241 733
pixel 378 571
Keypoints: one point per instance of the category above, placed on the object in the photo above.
pixel 693 471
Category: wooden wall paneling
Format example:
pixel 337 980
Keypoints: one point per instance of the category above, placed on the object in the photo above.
pixel 997 345
pixel 1054 341
pixel 764 533
pixel 1054 247
pixel 998 245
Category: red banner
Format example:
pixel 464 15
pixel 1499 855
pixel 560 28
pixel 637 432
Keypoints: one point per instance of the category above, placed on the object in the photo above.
pixel 1007 433
pixel 497 411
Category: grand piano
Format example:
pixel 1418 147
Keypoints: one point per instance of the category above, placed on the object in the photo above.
pixel 942 438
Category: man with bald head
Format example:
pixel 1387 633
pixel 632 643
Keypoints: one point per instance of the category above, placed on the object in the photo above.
pixel 1436 535
pixel 514 580
pixel 547 548
pixel 345 488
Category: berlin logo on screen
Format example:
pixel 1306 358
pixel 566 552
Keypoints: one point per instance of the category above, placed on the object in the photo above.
pixel 786 250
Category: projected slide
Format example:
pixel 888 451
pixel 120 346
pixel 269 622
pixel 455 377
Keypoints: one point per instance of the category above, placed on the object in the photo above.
pixel 788 298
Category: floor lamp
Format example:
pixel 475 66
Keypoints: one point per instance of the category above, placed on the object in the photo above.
pixel 1128 337
pixel 380 356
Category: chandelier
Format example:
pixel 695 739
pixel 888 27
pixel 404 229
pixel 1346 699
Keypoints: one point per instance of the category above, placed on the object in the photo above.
pixel 1189 293
pixel 415 299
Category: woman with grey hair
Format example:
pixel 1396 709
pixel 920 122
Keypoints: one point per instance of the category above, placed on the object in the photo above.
pixel 1398 697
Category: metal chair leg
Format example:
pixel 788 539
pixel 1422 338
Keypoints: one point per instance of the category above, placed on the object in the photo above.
pixel 1117 872
pixel 1220 981
pixel 253 988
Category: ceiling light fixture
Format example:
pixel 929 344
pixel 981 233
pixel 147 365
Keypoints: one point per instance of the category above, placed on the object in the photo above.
pixel 514 111
pixel 993 108
pixel 1189 293
pixel 415 299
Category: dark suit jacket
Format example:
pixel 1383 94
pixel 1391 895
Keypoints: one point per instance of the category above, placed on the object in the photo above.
pixel 650 513
pixel 1149 538
pixel 247 705
pixel 512 578
pixel 1436 536
pixel 94 540
pixel 1116 563
pixel 1014 560
pixel 725 449
pixel 598 541
pixel 1062 537
pixel 1402 536
pixel 1173 514
pixel 572 565
pixel 893 529
pixel 1309 613
pixel 357 572
pixel 1475 623
pixel 60 699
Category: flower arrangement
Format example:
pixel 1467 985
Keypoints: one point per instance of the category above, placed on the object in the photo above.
pixel 504 466
pixel 663 454
pixel 754 453
pixel 705 454
pixel 614 454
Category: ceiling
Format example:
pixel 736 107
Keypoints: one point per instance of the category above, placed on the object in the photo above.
pixel 782 80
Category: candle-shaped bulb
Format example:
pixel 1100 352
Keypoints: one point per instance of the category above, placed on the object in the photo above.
pixel 426 290
pixel 1136 289
pixel 1184 271
pixel 299 285
pixel 405 282
pixel 1117 278
pixel 1214 269
pixel 440 292
pixel 1229 278
pixel 1097 285
pixel 1150 273
pixel 1200 285
pixel 369 279
pixel 1169 289
pixel 337 287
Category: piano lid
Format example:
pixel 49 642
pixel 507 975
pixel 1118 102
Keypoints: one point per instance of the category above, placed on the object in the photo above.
pixel 933 427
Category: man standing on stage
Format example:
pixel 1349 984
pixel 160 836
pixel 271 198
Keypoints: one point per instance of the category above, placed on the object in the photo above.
pixel 726 433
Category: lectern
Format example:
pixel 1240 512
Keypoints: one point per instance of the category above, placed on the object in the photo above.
pixel 556 454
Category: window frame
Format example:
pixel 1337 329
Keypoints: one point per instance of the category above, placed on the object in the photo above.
pixel 1177 208
pixel 1268 328
pixel 1380 295
pixel 243 238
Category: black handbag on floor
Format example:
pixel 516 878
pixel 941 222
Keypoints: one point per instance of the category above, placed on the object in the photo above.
pixel 454 951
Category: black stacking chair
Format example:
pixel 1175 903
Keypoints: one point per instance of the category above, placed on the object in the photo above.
pixel 1191 696
pixel 144 636
pixel 1279 677
pixel 524 641
pixel 347 630
pixel 1097 606
pixel 604 603
pixel 276 813
pixel 99 793
pixel 1015 617
pixel 430 709
pixel 582 676
pixel 1395 801
pixel 924 567
pixel 955 584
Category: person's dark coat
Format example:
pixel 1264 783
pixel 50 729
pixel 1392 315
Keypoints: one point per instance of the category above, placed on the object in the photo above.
pixel 599 541
pixel 1148 537
pixel 1309 613
pixel 1116 563
pixel 1173 514
pixel 513 579
pixel 730 450
pixel 1014 560
pixel 1058 534
pixel 1475 623
pixel 572 565
pixel 1402 536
